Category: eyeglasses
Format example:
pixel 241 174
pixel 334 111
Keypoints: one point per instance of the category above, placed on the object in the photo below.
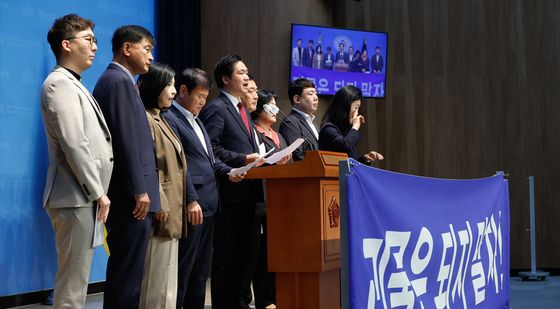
pixel 91 39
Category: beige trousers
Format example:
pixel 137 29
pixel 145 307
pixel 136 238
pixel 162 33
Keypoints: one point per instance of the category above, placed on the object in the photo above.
pixel 159 282
pixel 73 228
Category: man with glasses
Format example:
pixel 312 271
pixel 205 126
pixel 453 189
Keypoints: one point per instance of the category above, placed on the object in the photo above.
pixel 80 157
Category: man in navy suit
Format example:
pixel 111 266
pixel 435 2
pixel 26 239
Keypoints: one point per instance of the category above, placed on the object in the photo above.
pixel 230 129
pixel 134 186
pixel 377 61
pixel 300 122
pixel 341 55
pixel 195 251
pixel 308 53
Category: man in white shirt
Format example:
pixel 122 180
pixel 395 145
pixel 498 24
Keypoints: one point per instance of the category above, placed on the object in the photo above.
pixel 195 251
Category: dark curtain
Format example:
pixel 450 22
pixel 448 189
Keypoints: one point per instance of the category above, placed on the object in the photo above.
pixel 178 33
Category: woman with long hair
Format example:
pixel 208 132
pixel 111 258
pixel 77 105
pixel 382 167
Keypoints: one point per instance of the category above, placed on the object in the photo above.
pixel 341 125
pixel 159 282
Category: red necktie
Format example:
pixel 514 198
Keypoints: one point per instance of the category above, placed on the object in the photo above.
pixel 244 116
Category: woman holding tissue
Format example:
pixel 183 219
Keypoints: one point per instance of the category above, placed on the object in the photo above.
pixel 341 125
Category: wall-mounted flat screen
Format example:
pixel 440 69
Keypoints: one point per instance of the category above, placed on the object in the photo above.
pixel 335 57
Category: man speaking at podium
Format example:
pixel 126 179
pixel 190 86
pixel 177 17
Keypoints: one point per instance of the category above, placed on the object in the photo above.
pixel 230 130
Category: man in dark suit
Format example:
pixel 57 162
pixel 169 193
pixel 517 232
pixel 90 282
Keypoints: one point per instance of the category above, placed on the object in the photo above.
pixel 350 54
pixel 195 251
pixel 377 61
pixel 299 122
pixel 341 55
pixel 328 59
pixel 230 130
pixel 134 186
pixel 308 53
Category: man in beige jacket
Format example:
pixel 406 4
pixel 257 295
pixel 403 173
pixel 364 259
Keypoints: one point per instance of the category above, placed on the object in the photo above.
pixel 80 157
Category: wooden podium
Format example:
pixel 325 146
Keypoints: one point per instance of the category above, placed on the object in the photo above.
pixel 302 202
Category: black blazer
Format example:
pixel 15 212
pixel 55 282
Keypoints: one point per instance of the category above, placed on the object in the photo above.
pixel 332 139
pixel 307 57
pixel 342 56
pixel 376 65
pixel 295 126
pixel 269 143
pixel 201 180
pixel 134 170
pixel 231 144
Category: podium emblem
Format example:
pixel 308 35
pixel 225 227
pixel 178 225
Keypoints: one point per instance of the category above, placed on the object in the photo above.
pixel 334 213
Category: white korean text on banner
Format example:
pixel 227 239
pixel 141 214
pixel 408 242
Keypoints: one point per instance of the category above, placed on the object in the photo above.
pixel 417 242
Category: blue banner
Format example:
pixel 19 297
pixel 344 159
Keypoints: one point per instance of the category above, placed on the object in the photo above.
pixel 417 242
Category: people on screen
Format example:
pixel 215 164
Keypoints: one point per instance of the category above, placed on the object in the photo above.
pixel 80 157
pixel 341 125
pixel 341 55
pixel 308 53
pixel 364 60
pixel 356 64
pixel 297 54
pixel 377 61
pixel 318 58
pixel 328 59
pixel 350 53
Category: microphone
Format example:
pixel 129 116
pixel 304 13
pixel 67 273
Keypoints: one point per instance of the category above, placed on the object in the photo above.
pixel 295 130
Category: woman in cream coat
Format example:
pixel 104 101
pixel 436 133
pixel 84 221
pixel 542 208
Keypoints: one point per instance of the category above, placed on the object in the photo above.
pixel 159 284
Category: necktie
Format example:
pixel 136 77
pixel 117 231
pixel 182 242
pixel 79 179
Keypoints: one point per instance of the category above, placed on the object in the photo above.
pixel 244 116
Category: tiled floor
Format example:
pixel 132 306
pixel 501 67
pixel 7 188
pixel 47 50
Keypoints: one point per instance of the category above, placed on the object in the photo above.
pixel 535 294
pixel 95 301
pixel 523 295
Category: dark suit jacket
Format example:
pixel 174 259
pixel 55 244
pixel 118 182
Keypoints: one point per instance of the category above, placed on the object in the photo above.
pixel 344 57
pixel 307 57
pixel 231 143
pixel 134 170
pixel 332 139
pixel 376 65
pixel 295 126
pixel 326 64
pixel 269 143
pixel 201 180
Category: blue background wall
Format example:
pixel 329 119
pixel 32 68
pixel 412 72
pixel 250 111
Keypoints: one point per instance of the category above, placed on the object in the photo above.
pixel 27 251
